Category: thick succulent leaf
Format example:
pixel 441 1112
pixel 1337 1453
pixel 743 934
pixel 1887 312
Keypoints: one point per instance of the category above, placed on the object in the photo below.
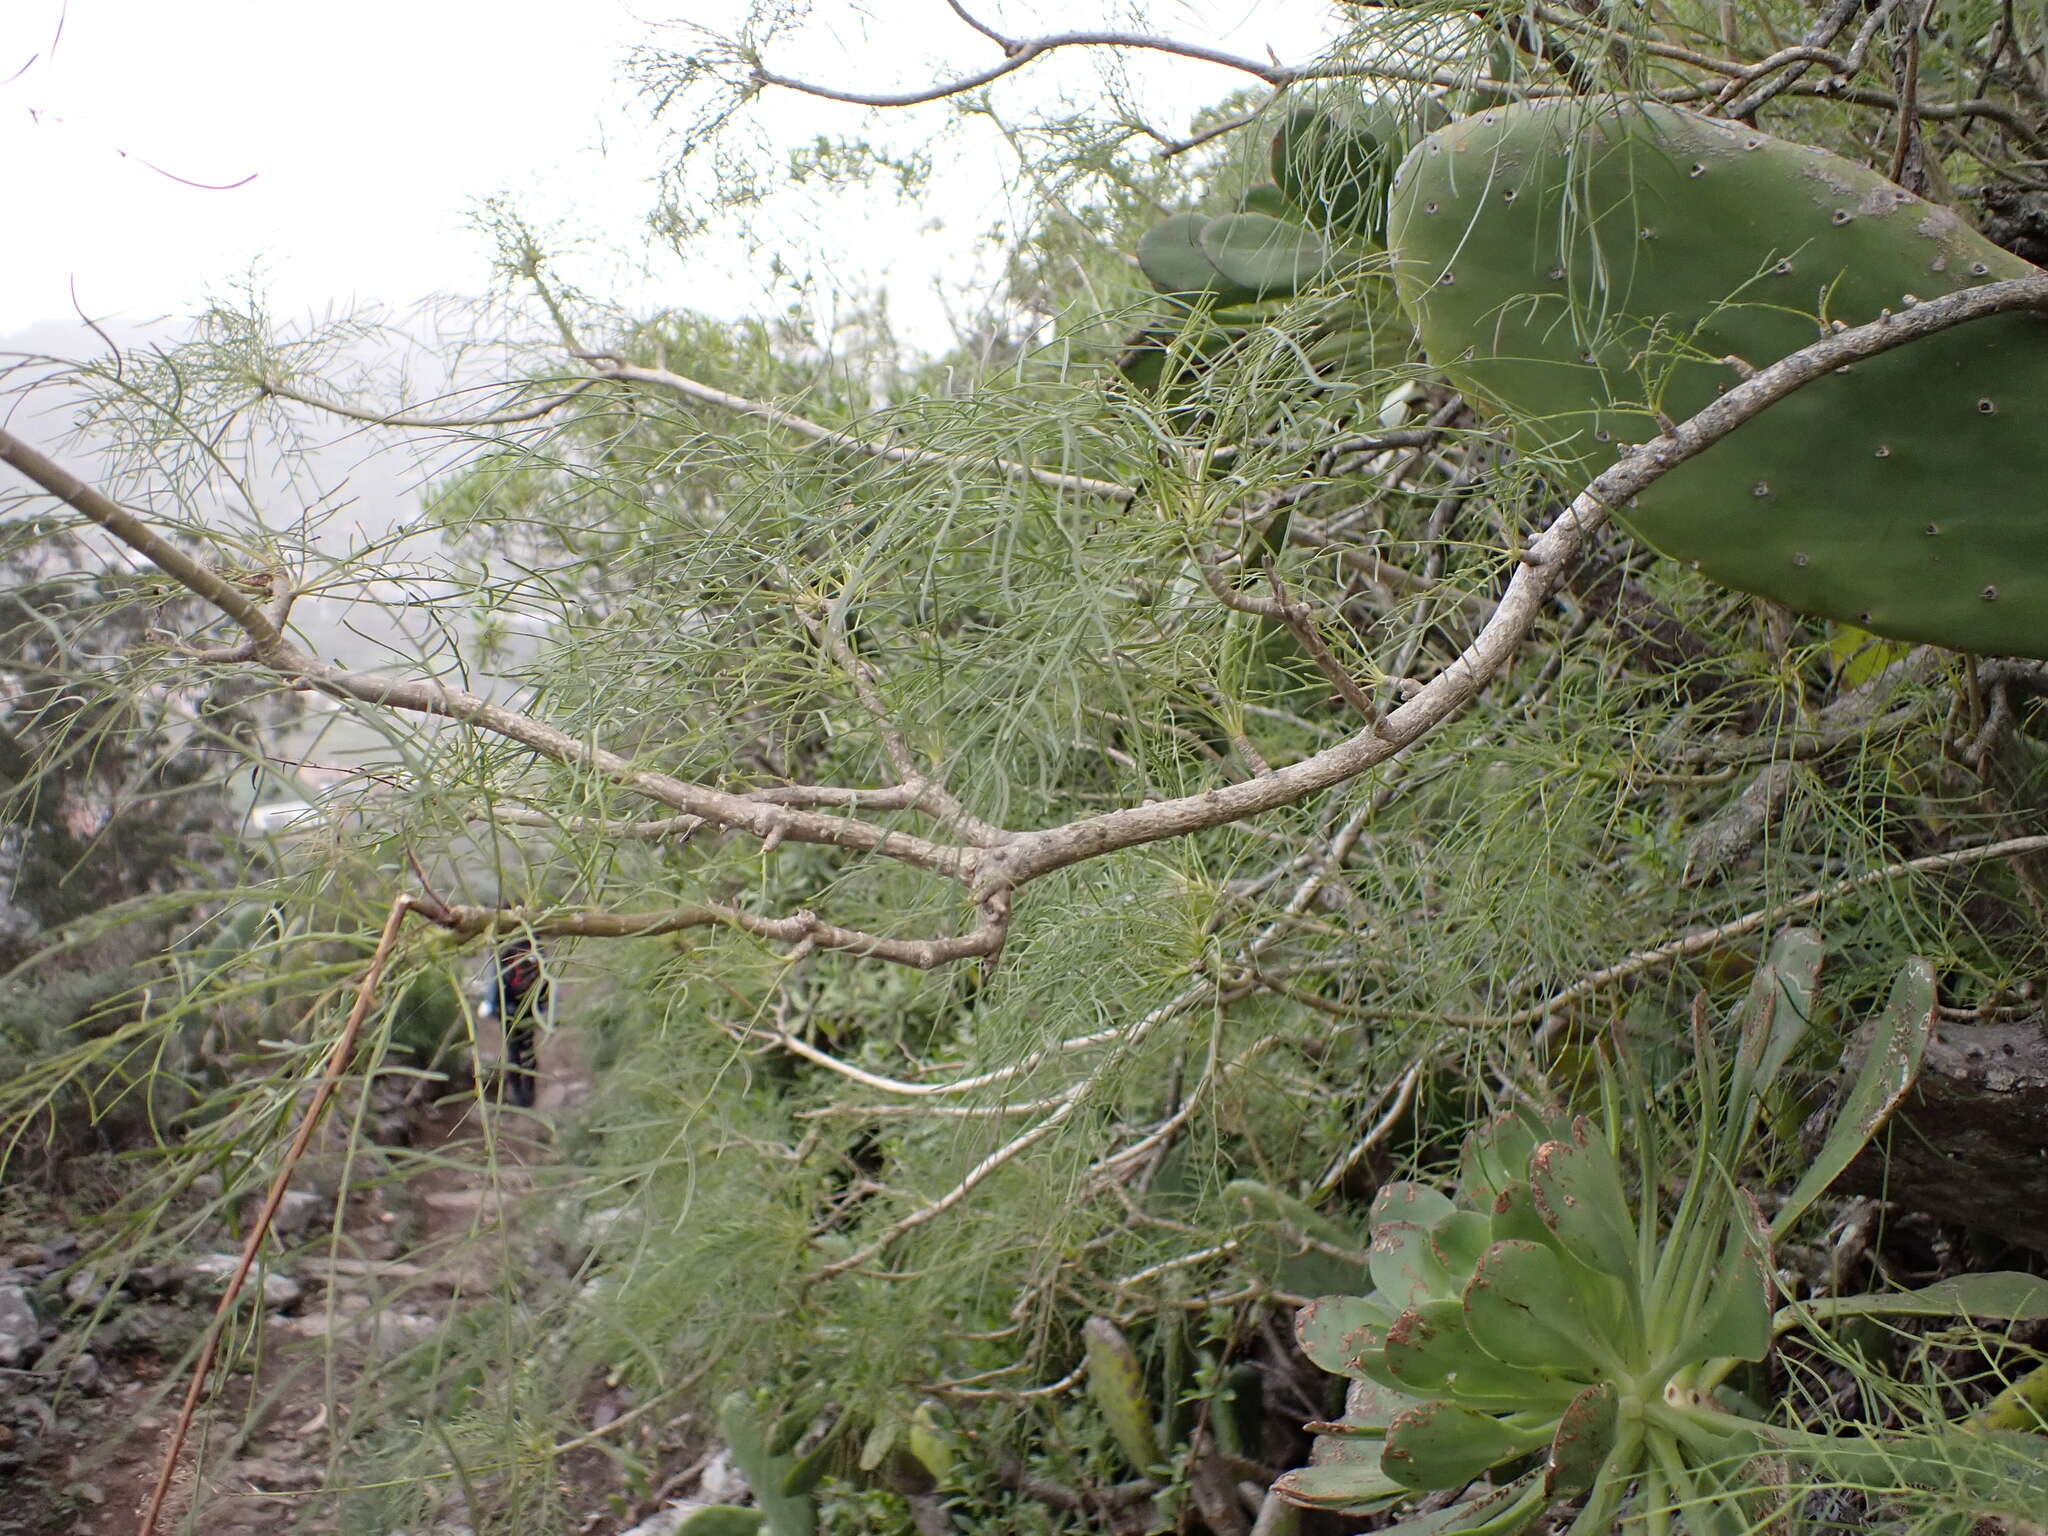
pixel 1503 1512
pixel 1170 255
pixel 1521 1310
pixel 1775 1015
pixel 1343 354
pixel 1334 172
pixel 1735 1323
pixel 1446 1445
pixel 2006 1295
pixel 1497 1155
pixel 1578 1191
pixel 1264 255
pixel 1264 197
pixel 1514 1216
pixel 1586 1433
pixel 1342 1475
pixel 2023 1405
pixel 880 1441
pixel 1328 1326
pixel 1402 1200
pixel 798 1417
pixel 1889 1067
pixel 1460 1239
pixel 1427 1345
pixel 1405 1266
pixel 746 1435
pixel 934 1445
pixel 1430 1353
pixel 1368 1409
pixel 1601 1297
pixel 721 1520
pixel 808 1470
pixel 1117 1384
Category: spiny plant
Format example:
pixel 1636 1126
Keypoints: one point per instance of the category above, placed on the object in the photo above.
pixel 1541 1321
pixel 1319 221
pixel 1596 269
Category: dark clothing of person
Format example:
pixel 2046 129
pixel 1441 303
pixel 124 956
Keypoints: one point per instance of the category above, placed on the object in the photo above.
pixel 516 995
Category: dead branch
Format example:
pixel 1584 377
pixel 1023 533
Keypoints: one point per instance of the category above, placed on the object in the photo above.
pixel 259 1230
pixel 546 406
pixel 1543 567
pixel 799 928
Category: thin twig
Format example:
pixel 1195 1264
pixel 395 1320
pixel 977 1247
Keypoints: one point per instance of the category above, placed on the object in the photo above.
pixel 1018 52
pixel 1300 623
pixel 1700 940
pixel 330 1080
pixel 1404 1095
pixel 831 437
pixel 546 406
pixel 798 928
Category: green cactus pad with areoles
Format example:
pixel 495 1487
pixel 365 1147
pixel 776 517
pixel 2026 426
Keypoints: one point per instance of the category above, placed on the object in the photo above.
pixel 1585 266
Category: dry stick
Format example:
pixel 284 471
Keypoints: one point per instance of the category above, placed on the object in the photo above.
pixel 1404 1095
pixel 534 412
pixel 1019 52
pixel 1301 624
pixel 330 1080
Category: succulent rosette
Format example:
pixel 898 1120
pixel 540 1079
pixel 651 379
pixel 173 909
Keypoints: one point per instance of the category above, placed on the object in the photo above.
pixel 1524 1326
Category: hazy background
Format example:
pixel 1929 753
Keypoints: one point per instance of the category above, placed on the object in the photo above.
pixel 332 159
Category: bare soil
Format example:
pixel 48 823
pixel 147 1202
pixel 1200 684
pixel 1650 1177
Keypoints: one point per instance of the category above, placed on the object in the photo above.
pixel 404 1257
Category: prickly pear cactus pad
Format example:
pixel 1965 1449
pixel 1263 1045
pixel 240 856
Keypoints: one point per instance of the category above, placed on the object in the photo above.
pixel 1584 266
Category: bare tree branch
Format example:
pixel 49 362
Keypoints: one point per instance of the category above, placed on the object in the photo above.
pixel 1700 940
pixel 543 407
pixel 804 929
pixel 201 579
pixel 1542 571
pixel 1018 52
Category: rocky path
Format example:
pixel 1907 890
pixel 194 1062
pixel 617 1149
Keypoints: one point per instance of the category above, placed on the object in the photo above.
pixel 85 1414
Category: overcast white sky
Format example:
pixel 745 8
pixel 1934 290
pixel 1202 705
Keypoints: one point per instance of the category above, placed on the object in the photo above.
pixel 352 141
